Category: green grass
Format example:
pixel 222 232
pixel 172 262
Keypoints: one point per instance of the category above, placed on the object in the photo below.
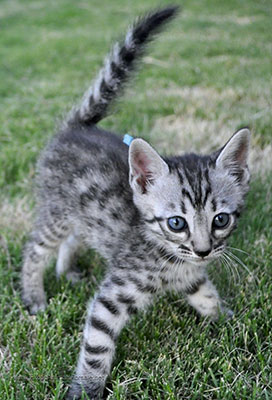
pixel 209 74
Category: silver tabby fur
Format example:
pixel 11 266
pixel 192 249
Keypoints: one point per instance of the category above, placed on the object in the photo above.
pixel 95 190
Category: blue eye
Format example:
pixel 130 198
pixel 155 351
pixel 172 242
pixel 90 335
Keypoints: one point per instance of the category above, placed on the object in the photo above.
pixel 177 224
pixel 221 220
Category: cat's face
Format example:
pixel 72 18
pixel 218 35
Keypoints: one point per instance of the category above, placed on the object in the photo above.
pixel 190 204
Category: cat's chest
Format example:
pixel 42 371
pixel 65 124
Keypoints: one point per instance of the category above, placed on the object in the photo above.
pixel 176 276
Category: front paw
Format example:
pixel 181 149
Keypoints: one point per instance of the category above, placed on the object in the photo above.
pixel 226 312
pixel 90 390
pixel 222 312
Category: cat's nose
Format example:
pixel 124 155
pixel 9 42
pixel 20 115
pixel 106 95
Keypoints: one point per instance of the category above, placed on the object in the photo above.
pixel 203 253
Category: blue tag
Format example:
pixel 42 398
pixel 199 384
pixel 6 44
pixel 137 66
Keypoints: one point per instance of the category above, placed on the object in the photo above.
pixel 127 139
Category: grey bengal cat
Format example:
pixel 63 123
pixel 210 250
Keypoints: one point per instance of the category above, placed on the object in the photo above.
pixel 157 221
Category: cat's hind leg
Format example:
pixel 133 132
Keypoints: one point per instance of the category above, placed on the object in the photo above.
pixel 66 258
pixel 44 241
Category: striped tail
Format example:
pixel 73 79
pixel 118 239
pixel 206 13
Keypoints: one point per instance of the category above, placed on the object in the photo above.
pixel 120 64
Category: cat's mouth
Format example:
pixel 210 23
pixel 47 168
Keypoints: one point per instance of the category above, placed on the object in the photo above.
pixel 189 255
pixel 185 255
pixel 190 258
pixel 200 261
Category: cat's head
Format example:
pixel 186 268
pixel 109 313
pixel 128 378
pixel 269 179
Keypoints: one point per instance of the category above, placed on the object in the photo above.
pixel 190 203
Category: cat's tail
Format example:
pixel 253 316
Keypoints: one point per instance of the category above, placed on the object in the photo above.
pixel 120 64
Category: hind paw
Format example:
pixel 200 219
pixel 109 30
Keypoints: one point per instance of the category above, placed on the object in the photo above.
pixel 34 303
pixel 73 276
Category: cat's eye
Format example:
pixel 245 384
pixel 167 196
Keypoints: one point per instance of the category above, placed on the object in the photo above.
pixel 177 224
pixel 221 220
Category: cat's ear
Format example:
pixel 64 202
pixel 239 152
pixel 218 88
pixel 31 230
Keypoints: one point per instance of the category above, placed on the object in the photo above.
pixel 234 155
pixel 145 165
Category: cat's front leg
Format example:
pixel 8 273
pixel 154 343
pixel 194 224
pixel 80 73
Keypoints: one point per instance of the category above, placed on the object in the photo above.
pixel 203 296
pixel 107 314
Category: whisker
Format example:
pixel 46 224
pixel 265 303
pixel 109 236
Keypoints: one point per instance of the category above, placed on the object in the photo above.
pixel 166 258
pixel 240 250
pixel 229 266
pixel 241 263
pixel 252 257
pixel 225 265
pixel 234 269
pixel 237 259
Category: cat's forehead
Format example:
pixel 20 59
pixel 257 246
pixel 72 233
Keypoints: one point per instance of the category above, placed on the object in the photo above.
pixel 194 187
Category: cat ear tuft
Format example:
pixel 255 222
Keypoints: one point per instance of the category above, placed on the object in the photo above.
pixel 234 154
pixel 145 165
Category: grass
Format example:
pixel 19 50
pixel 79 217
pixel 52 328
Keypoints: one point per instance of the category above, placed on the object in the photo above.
pixel 209 74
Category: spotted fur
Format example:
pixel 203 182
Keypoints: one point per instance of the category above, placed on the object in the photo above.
pixel 127 202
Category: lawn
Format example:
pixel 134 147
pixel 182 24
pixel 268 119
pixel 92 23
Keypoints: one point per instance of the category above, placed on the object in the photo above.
pixel 204 78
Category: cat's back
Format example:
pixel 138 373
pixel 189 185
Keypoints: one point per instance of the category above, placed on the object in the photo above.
pixel 83 159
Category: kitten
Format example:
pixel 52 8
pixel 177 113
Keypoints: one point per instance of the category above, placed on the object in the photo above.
pixel 157 221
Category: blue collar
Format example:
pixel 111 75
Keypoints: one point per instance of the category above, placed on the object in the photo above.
pixel 127 139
